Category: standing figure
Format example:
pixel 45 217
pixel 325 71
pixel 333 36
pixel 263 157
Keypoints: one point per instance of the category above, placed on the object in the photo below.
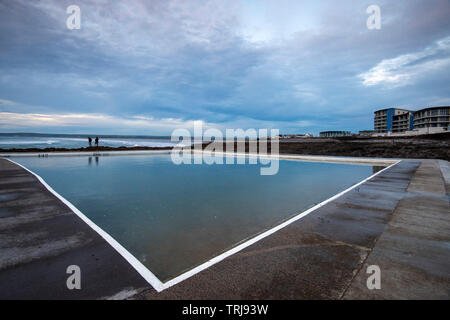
pixel 90 141
pixel 96 141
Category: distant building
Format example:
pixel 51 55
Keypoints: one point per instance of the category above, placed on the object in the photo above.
pixel 433 119
pixel 292 136
pixel 334 134
pixel 303 135
pixel 393 120
pixel 366 132
pixel 427 120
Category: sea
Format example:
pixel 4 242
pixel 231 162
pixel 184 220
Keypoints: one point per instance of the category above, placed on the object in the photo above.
pixel 42 141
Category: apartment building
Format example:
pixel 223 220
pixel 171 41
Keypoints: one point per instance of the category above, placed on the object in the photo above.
pixel 432 119
pixel 427 120
pixel 334 134
pixel 393 120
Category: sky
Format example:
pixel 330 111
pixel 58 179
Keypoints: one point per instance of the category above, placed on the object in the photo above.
pixel 148 67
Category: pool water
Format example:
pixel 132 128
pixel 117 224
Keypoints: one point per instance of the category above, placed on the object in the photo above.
pixel 175 217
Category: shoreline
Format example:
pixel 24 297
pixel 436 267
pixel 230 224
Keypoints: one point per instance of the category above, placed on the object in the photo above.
pixel 85 149
pixel 433 147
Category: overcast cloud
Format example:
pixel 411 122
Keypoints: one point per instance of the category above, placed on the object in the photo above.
pixel 148 67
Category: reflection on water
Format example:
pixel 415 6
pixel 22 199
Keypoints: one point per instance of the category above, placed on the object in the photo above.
pixel 90 160
pixel 173 218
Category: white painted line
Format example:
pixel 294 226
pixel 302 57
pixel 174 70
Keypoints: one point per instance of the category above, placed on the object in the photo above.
pixel 261 236
pixel 308 158
pixel 149 276
pixel 311 158
pixel 140 268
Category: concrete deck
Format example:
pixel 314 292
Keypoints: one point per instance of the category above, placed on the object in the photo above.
pixel 399 220
pixel 40 237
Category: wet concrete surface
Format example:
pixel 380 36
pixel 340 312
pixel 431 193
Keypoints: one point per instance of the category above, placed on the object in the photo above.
pixel 325 255
pixel 40 237
pixel 398 220
pixel 414 251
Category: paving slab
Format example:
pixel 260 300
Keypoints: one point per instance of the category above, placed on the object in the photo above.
pixel 414 252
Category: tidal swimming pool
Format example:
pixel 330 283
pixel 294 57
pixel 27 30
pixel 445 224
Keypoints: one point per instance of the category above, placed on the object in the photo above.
pixel 173 218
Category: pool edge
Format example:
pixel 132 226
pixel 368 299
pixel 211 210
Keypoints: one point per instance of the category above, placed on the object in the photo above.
pixel 151 278
pixel 131 259
pixel 265 234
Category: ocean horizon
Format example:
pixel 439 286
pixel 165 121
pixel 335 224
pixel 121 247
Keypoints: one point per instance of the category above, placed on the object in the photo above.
pixel 72 141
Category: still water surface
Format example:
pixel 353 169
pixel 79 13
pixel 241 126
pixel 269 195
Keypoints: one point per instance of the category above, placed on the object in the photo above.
pixel 175 217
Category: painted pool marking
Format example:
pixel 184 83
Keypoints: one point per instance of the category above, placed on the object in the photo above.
pixel 307 158
pixel 140 268
pixel 263 235
pixel 149 276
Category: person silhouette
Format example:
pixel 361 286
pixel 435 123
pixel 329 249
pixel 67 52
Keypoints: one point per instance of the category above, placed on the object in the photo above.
pixel 90 141
pixel 96 141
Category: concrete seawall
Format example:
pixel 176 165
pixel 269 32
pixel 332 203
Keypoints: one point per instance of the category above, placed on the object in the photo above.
pixel 398 220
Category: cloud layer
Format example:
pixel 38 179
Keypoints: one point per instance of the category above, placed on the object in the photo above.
pixel 299 66
pixel 408 68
